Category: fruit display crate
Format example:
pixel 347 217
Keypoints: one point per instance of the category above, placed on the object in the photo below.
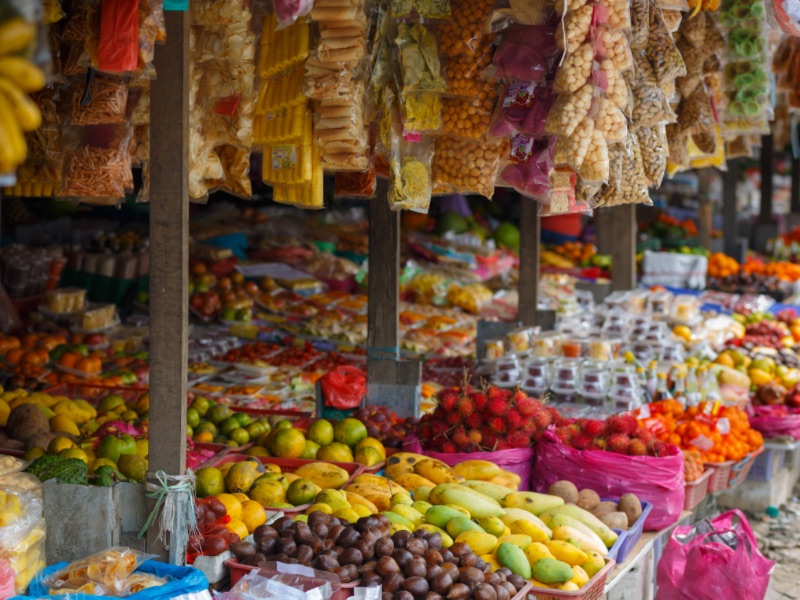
pixel 92 392
pixel 287 465
pixel 697 490
pixel 633 533
pixel 720 475
pixel 595 588
pixel 613 552
pixel 341 591
pixel 741 469
pixel 771 461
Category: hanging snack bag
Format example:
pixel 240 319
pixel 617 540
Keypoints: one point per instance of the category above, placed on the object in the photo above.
pixel 661 50
pixel 524 54
pixel 96 163
pixel 652 144
pixel 523 108
pixel 411 185
pixel 575 70
pixel 571 151
pixel 574 28
pixel 619 13
pixel 420 67
pixel 527 167
pixel 101 100
pixel 568 111
pixel 468 166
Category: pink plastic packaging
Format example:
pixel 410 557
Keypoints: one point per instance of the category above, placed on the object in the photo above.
pixel 712 560
pixel 525 54
pixel 518 460
pixel 530 173
pixel 659 481
pixel 288 11
pixel 6 580
pixel 774 421
pixel 523 108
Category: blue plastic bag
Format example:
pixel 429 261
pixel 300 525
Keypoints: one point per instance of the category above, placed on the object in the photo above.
pixel 179 5
pixel 184 580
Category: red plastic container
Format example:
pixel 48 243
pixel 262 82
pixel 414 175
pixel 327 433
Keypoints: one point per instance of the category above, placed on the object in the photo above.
pixel 595 588
pixel 697 490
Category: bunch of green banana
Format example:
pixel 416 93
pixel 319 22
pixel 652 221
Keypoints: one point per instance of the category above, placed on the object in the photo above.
pixel 18 77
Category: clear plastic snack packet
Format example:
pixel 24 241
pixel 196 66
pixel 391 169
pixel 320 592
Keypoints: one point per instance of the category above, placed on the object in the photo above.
pixel 527 167
pixel 568 111
pixel 411 182
pixel 575 70
pixel 572 151
pixel 574 28
pixel 661 50
pixel 468 166
pixel 695 114
pixel 652 144
pixel 610 121
pixel 640 24
pixel 595 167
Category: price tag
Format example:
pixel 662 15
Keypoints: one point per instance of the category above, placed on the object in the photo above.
pixel 724 426
pixel 701 442
pixel 281 590
pixel 368 593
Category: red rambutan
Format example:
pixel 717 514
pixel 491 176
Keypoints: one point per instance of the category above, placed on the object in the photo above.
pixel 527 406
pixel 460 438
pixel 515 421
pixel 542 419
pixel 465 405
pixel 480 400
pixel 618 443
pixel 425 430
pixel 448 398
pixel 438 428
pixel 475 436
pixel 624 423
pixel 564 434
pixel 452 418
pixel 663 451
pixel 519 440
pixel 637 448
pixel 593 427
pixel 449 448
pixel 530 427
pixel 489 441
pixel 497 424
pixel 497 406
pixel 503 445
pixel 474 421
pixel 581 441
pixel 599 443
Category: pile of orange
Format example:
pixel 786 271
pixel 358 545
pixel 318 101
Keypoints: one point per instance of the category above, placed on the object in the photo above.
pixel 577 252
pixel 720 265
pixel 783 270
pixel 718 434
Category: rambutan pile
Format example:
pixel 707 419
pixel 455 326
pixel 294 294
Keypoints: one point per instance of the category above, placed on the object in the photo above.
pixel 467 419
pixel 619 433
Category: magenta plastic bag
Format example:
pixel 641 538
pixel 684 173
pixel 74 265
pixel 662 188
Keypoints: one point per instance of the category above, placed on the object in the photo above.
pixel 711 560
pixel 659 481
pixel 775 421
pixel 525 54
pixel 517 460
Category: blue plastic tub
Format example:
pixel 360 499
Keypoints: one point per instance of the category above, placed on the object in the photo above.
pixel 614 550
pixel 633 535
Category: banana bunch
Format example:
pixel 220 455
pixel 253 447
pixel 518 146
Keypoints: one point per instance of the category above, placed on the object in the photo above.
pixel 550 259
pixel 18 77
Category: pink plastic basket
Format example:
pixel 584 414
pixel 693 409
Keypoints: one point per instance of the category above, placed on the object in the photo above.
pixel 697 490
pixel 720 475
pixel 595 588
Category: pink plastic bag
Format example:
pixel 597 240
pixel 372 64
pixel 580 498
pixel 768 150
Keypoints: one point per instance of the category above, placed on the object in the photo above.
pixel 518 460
pixel 6 580
pixel 659 481
pixel 711 560
pixel 525 54
pixel 775 421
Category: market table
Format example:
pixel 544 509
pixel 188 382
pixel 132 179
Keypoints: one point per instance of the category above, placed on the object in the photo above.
pixel 627 580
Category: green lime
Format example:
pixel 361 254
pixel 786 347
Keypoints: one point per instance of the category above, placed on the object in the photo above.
pixel 243 419
pixel 240 436
pixel 200 404
pixel 192 417
pixel 321 432
pixel 219 413
pixel 228 425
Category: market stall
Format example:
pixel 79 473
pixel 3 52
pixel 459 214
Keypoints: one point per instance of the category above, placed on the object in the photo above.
pixel 623 417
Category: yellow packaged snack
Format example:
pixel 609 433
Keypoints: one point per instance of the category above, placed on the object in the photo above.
pixel 305 195
pixel 283 125
pixel 289 162
pixel 283 90
pixel 282 49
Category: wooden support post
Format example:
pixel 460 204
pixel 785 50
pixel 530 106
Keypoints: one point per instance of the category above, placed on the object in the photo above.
pixel 616 235
pixel 384 289
pixel 730 220
pixel 704 212
pixel 767 170
pixel 169 262
pixel 390 381
pixel 529 246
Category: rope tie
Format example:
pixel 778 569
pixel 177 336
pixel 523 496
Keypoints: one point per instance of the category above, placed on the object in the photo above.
pixel 177 516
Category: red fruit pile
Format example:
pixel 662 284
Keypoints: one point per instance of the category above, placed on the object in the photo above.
pixel 467 419
pixel 619 433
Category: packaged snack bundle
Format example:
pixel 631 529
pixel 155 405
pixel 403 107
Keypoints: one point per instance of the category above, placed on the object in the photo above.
pixel 22 532
pixel 527 167
pixel 467 166
pixel 523 108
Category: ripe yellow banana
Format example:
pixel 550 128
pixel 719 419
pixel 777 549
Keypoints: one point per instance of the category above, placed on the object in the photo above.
pixel 23 73
pixel 16 35
pixel 27 112
pixel 17 149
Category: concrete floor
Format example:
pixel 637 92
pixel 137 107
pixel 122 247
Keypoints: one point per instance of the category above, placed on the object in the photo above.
pixel 779 540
